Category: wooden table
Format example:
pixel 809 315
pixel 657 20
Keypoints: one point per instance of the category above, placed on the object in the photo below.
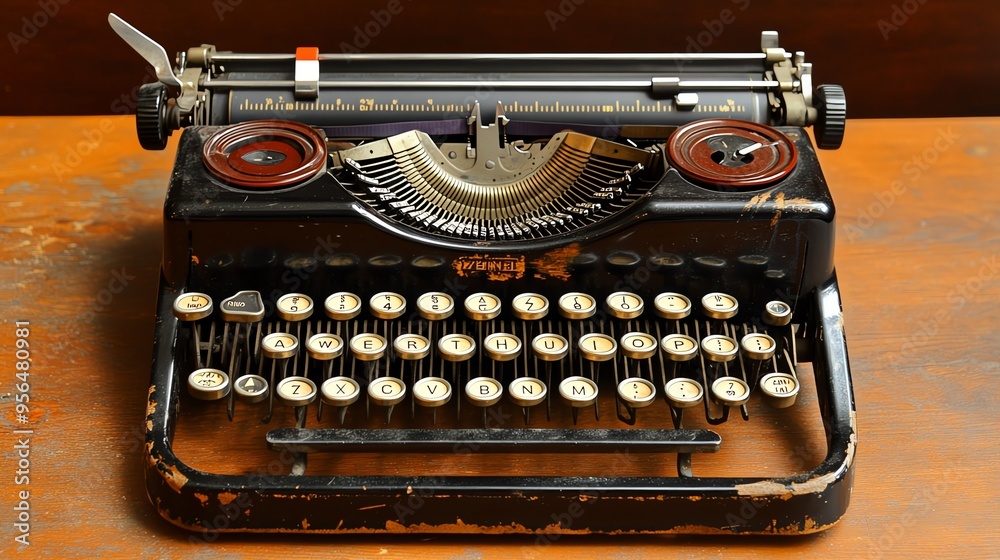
pixel 919 217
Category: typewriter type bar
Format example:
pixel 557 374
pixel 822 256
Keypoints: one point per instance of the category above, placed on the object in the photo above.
pixel 365 256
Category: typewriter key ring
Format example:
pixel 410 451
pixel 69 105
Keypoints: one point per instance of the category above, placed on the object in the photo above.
pixel 731 154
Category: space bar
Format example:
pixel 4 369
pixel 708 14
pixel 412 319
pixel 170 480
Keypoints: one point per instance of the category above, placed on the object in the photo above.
pixel 519 440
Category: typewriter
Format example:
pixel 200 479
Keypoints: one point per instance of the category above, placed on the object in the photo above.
pixel 496 293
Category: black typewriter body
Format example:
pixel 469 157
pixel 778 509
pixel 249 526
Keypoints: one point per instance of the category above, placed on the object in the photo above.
pixel 657 291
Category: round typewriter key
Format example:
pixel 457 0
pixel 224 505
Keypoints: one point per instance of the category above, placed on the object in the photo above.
pixel 530 307
pixel 192 306
pixel 294 307
pixel 483 391
pixel 432 391
pixel 502 347
pixel 683 392
pixel 208 384
pixel 578 391
pixel 597 347
pixel 779 389
pixel 679 347
pixel 670 305
pixel 731 154
pixel 624 305
pixel 340 391
pixel 250 388
pixel 435 306
pixel 718 305
pixel 719 348
pixel 637 392
pixel 777 313
pixel 387 305
pixel 758 346
pixel 295 391
pixel 386 391
pixel 730 391
pixel 368 347
pixel 411 346
pixel 639 345
pixel 342 306
pixel 482 306
pixel 324 346
pixel 279 345
pixel 527 391
pixel 575 305
pixel 456 347
pixel 550 347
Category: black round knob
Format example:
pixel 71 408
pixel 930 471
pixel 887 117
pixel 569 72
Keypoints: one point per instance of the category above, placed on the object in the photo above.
pixel 150 116
pixel 831 104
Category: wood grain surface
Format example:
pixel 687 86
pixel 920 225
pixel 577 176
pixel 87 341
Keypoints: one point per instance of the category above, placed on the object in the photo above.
pixel 919 225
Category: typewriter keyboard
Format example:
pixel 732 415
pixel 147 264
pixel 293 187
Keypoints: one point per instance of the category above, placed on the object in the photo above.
pixel 361 358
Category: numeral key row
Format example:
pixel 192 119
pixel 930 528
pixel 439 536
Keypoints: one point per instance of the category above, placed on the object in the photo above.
pixel 247 306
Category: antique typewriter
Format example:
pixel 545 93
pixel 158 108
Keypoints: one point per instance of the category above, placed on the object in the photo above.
pixel 552 293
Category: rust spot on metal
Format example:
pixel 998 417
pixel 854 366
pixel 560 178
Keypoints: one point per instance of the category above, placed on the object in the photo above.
pixel 556 263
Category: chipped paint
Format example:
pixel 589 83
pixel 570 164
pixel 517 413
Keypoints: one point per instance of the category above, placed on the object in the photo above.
pixel 150 403
pixel 815 485
pixel 779 203
pixel 556 263
pixel 226 497
pixel 174 478
pixel 756 202
pixel 203 498
pixel 305 524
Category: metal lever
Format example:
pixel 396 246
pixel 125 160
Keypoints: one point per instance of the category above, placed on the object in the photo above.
pixel 149 49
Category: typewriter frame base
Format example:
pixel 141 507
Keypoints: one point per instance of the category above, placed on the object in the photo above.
pixel 804 503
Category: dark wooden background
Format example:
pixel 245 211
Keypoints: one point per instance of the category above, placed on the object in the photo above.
pixel 896 58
